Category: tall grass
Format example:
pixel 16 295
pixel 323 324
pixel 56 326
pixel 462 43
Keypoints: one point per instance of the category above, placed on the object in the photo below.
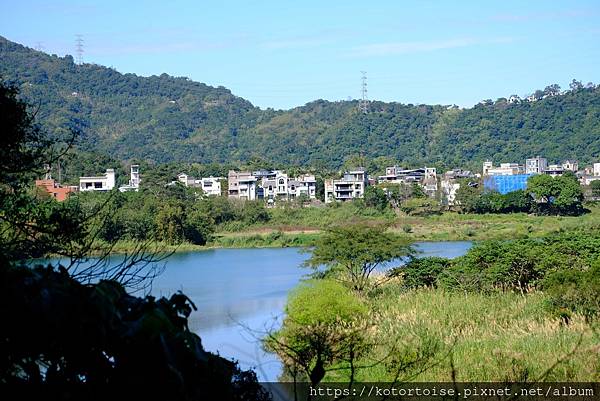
pixel 494 337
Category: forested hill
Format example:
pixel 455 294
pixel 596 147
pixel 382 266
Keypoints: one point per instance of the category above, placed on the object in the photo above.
pixel 162 118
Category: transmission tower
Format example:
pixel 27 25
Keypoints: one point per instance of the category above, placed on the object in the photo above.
pixel 363 104
pixel 39 46
pixel 79 48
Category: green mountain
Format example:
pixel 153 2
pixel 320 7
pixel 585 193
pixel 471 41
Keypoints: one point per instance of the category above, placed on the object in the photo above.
pixel 164 118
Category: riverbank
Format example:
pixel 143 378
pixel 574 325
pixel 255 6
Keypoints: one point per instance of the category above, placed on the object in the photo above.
pixel 279 232
pixel 475 337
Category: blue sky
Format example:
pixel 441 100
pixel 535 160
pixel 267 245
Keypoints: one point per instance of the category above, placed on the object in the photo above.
pixel 282 54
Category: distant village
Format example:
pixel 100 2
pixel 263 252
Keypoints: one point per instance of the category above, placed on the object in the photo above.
pixel 273 186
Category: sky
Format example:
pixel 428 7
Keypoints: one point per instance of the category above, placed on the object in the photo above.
pixel 282 54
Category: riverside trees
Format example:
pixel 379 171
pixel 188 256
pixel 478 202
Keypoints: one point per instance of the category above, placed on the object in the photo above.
pixel 73 331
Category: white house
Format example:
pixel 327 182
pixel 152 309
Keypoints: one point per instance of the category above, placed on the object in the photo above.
pixel 104 182
pixel 134 180
pixel 351 186
pixel 242 185
pixel 503 169
pixel 536 165
pixel 597 169
pixel 570 165
pixel 211 185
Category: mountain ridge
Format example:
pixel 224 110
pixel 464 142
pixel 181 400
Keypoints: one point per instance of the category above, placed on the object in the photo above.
pixel 163 118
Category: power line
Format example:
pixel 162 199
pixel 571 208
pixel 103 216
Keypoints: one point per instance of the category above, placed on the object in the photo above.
pixel 79 48
pixel 363 105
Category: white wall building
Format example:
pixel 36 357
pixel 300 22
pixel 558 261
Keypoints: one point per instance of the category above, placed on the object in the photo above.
pixel 536 165
pixel 134 180
pixel 503 169
pixel 554 170
pixel 210 185
pixel 104 182
pixel 278 186
pixel 351 186
pixel 571 165
pixel 597 169
pixel 242 185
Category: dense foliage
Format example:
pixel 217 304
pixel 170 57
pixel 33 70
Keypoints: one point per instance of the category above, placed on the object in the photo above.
pixel 357 251
pixel 162 118
pixel 72 331
pixel 565 265
pixel 62 338
pixel 545 195
pixel 323 328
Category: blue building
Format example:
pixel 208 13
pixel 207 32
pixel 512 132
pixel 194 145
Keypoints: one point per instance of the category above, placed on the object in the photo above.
pixel 506 183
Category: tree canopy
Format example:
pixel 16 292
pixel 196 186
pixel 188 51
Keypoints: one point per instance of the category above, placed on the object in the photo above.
pixel 163 118
pixel 357 250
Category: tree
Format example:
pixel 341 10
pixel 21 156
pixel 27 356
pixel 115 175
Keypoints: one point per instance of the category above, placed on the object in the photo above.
pixel 556 195
pixel 357 250
pixel 421 272
pixel 575 85
pixel 325 327
pixel 467 196
pixel 97 340
pixel 552 90
pixel 595 187
pixel 376 198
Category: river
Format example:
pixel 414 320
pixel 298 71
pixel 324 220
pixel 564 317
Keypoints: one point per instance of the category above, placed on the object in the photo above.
pixel 241 294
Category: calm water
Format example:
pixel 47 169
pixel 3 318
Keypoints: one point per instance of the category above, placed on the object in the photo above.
pixel 241 294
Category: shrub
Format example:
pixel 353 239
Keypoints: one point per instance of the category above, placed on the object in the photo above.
pixel 421 272
pixel 574 291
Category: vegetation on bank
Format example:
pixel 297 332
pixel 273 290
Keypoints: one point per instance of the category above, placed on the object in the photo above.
pixel 289 227
pixel 520 310
pixel 75 331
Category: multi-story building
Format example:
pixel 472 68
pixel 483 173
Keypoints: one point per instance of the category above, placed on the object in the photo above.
pixel 241 185
pixel 278 186
pixel 536 165
pixel 305 184
pixel 275 186
pixel 134 180
pixel 397 175
pixel 104 182
pixel 211 185
pixel 351 186
pixel 503 169
pixel 426 177
pixel 571 165
pixel 554 170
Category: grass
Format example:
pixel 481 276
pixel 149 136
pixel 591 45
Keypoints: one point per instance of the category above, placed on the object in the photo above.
pixel 272 239
pixel 449 226
pixel 301 226
pixel 495 337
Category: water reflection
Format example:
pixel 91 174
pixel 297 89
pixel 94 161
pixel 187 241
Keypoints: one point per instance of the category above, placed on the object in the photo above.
pixel 241 293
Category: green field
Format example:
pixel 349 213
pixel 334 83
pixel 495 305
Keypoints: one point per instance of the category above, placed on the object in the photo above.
pixel 299 225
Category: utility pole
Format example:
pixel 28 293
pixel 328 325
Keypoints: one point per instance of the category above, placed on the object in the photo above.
pixel 363 104
pixel 79 48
